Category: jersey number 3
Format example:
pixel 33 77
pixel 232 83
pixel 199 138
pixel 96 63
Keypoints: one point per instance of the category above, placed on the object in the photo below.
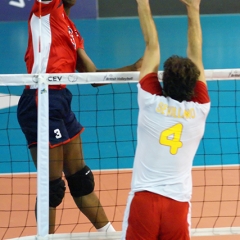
pixel 171 137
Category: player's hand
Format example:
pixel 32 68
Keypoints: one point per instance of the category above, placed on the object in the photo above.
pixel 142 1
pixel 192 3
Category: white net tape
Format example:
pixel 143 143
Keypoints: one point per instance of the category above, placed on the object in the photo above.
pixel 103 77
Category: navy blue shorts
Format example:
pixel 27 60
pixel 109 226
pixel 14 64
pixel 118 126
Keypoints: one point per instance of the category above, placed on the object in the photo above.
pixel 63 125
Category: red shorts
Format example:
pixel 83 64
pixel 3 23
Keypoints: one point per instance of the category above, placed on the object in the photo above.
pixel 155 217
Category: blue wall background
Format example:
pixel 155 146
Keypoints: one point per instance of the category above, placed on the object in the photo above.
pixel 128 8
pixel 18 10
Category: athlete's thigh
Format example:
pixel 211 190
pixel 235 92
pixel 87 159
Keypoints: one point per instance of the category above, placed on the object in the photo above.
pixel 55 161
pixel 143 220
pixel 73 156
pixel 175 220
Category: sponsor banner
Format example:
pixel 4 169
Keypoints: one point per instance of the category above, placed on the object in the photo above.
pixel 126 8
pixel 18 10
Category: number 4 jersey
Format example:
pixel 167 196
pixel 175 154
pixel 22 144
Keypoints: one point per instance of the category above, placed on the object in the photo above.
pixel 168 135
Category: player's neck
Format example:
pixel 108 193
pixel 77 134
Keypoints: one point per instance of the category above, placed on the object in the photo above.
pixel 67 11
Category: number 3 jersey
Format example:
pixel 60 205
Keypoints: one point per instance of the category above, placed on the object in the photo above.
pixel 168 135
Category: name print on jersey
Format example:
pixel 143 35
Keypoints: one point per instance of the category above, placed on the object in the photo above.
pixel 70 31
pixel 175 112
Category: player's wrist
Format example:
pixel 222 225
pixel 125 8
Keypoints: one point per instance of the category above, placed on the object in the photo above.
pixel 193 8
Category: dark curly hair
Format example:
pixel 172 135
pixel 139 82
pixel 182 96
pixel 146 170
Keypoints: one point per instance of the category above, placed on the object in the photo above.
pixel 179 78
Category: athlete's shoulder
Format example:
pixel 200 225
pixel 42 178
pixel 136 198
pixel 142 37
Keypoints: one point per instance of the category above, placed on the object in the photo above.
pixel 150 83
pixel 201 93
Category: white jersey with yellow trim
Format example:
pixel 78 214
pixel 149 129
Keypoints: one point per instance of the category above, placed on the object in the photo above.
pixel 168 135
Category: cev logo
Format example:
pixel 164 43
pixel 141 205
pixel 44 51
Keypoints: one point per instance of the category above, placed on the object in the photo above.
pixel 17 3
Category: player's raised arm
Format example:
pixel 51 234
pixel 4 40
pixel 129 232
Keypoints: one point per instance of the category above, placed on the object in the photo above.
pixel 151 58
pixel 194 50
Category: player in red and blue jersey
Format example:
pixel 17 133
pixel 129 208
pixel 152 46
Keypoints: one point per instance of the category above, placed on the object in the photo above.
pixel 59 48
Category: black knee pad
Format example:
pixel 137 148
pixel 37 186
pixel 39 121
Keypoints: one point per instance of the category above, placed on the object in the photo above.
pixel 56 192
pixel 81 183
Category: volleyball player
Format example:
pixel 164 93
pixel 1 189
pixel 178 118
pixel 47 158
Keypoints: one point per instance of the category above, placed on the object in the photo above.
pixel 171 124
pixel 62 51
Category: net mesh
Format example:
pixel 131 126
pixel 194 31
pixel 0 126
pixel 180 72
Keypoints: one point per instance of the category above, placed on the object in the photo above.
pixel 109 115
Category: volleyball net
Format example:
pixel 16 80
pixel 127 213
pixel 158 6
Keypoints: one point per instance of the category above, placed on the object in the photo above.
pixel 109 115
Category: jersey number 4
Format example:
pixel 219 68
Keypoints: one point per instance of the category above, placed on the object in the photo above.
pixel 171 137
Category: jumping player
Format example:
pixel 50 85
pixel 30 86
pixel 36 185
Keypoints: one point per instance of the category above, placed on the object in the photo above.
pixel 171 124
pixel 62 51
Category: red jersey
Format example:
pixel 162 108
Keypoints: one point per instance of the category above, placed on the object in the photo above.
pixel 56 44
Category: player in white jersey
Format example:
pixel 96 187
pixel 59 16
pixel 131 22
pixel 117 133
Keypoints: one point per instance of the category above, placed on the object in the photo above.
pixel 171 124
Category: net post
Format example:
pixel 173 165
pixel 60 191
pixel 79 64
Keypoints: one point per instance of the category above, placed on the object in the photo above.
pixel 43 159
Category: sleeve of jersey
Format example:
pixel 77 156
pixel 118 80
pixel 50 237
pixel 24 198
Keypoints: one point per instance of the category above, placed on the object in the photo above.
pixel 151 84
pixel 80 42
pixel 201 93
